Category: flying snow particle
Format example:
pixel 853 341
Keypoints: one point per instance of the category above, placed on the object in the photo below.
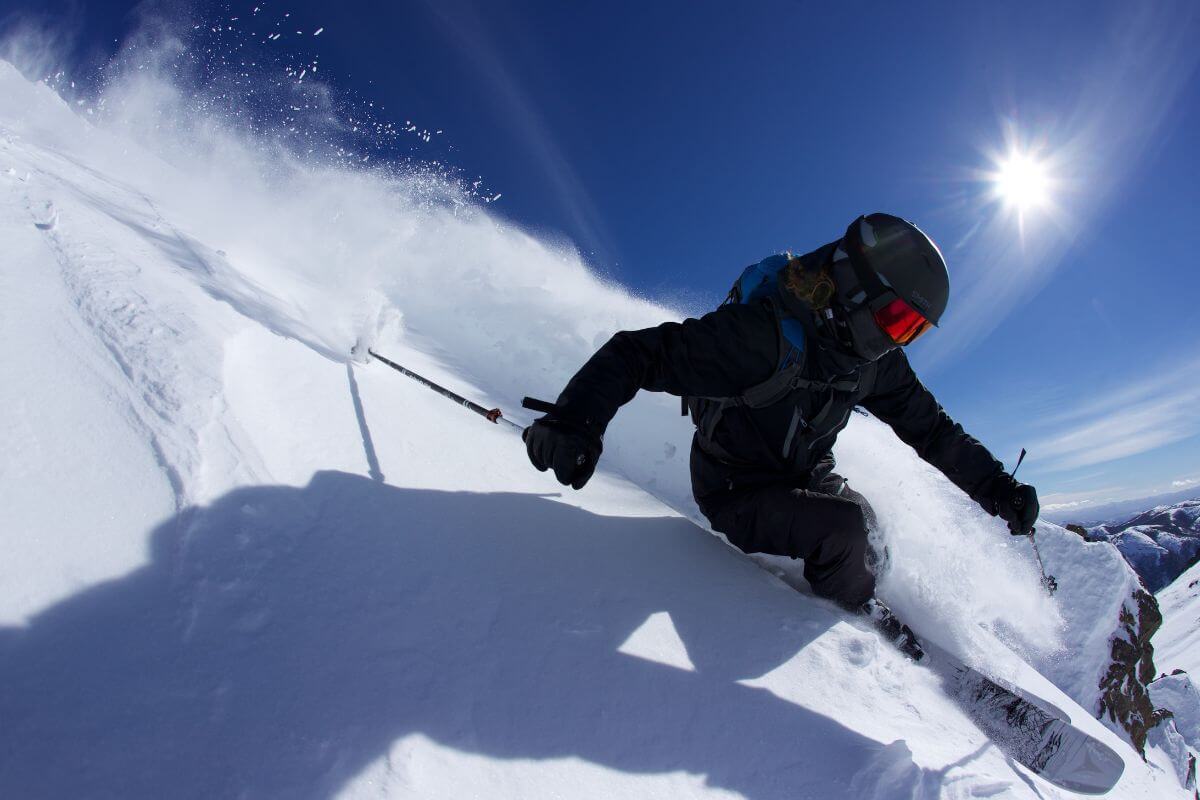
pixel 317 32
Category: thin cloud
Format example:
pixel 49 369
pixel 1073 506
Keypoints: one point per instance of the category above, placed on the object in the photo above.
pixel 1116 500
pixel 1133 419
pixel 1076 500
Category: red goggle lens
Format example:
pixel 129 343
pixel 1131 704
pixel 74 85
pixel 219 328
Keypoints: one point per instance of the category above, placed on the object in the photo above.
pixel 901 321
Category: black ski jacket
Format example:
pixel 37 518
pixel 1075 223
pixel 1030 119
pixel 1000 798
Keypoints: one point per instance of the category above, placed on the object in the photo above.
pixel 736 347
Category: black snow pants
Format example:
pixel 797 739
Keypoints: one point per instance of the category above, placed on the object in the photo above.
pixel 825 524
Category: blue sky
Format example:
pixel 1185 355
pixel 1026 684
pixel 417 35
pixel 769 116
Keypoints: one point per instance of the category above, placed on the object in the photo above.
pixel 674 142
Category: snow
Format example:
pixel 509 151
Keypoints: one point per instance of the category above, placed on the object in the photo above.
pixel 1094 584
pixel 1178 693
pixel 66 408
pixel 1177 643
pixel 237 564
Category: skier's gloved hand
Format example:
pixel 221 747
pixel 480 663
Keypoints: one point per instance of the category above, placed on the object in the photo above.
pixel 570 449
pixel 1015 503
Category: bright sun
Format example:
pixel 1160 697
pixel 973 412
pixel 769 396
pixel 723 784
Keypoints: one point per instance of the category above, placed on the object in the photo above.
pixel 1022 182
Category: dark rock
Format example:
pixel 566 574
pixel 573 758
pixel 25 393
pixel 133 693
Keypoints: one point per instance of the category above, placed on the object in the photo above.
pixel 1123 695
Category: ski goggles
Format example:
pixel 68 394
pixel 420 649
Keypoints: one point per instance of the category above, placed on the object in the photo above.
pixel 900 321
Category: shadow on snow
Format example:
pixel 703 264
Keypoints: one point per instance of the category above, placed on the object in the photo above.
pixel 282 638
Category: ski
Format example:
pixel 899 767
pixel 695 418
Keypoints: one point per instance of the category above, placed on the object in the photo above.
pixel 1036 734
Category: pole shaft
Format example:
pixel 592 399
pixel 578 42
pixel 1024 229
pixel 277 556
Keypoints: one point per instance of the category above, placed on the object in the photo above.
pixel 1048 581
pixel 490 414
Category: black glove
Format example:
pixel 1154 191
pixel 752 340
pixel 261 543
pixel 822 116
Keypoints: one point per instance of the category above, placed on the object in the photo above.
pixel 1015 503
pixel 570 449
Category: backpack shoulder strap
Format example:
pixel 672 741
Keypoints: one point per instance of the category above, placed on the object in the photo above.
pixel 707 411
pixel 791 362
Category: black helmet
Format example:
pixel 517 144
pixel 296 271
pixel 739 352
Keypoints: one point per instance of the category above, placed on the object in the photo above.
pixel 892 285
pixel 902 258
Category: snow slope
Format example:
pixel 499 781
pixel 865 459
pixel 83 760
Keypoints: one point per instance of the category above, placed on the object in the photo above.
pixel 1177 656
pixel 1177 645
pixel 237 565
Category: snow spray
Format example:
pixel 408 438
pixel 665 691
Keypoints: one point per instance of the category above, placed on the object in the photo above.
pixel 1049 581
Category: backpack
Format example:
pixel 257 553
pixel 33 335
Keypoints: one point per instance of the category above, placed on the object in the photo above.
pixel 760 283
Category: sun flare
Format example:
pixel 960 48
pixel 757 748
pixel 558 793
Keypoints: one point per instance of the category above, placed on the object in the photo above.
pixel 1023 182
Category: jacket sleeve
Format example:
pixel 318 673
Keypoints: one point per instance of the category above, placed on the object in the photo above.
pixel 903 402
pixel 720 354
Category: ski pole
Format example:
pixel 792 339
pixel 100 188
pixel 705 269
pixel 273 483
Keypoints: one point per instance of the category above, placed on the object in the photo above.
pixel 1048 581
pixel 493 415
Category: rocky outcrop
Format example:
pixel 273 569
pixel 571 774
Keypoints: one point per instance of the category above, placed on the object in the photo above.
pixel 1124 698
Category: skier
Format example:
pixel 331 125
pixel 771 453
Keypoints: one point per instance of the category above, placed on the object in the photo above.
pixel 769 379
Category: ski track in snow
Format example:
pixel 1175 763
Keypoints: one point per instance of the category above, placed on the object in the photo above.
pixel 236 566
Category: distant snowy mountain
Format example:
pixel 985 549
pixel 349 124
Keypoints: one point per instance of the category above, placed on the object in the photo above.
pixel 235 564
pixel 1091 515
pixel 1160 543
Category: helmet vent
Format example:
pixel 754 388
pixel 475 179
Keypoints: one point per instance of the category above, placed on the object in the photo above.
pixel 868 233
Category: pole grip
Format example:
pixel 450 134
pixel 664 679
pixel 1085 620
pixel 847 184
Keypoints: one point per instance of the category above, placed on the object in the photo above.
pixel 533 404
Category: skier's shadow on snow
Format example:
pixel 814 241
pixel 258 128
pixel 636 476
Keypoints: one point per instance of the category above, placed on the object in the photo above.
pixel 281 639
